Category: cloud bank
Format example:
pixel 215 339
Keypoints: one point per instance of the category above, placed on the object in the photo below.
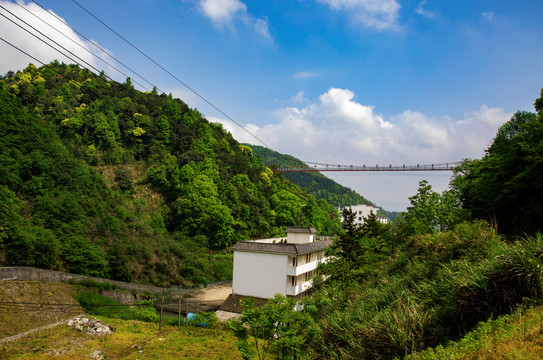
pixel 337 129
pixel 31 13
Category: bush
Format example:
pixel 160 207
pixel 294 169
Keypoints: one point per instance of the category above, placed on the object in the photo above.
pixel 97 285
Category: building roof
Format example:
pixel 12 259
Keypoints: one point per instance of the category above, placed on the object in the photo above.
pixel 301 230
pixel 282 248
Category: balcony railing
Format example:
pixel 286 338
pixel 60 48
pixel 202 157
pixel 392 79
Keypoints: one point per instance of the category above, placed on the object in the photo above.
pixel 302 269
pixel 300 288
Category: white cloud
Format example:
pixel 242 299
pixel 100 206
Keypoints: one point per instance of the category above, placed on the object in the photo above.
pixel 221 11
pixel 13 59
pixel 305 75
pixel 488 15
pixel 298 98
pixel 422 11
pixel 337 129
pixel 226 13
pixel 377 14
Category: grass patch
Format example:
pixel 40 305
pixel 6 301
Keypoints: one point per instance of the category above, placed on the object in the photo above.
pixel 91 284
pixel 131 340
pixel 516 336
pixel 100 305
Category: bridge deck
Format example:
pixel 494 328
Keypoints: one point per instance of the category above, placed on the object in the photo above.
pixel 312 167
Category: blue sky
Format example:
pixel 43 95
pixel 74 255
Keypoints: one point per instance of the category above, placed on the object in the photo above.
pixel 332 81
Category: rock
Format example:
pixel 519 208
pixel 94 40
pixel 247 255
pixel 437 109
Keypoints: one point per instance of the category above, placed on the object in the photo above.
pixel 90 326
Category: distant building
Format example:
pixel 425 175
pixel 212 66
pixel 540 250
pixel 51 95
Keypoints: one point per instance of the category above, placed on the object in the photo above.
pixel 362 212
pixel 265 267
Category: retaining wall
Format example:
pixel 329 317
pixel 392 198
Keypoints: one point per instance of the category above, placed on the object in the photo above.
pixel 34 274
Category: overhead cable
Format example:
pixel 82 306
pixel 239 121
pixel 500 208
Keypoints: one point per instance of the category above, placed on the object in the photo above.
pixel 101 48
pixel 73 41
pixel 172 75
pixel 46 43
pixel 24 52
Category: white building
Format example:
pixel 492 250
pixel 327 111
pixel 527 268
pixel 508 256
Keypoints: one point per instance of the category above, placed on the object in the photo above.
pixel 363 211
pixel 263 268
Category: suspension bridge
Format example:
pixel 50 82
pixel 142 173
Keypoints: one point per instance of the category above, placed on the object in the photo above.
pixel 319 167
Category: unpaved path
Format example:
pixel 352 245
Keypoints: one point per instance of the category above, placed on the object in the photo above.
pixel 198 300
pixel 212 293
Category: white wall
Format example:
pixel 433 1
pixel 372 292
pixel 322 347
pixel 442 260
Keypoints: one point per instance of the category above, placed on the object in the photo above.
pixel 259 275
pixel 300 238
pixel 362 211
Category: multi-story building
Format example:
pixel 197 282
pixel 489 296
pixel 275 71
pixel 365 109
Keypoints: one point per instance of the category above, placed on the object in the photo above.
pixel 265 267
pixel 362 212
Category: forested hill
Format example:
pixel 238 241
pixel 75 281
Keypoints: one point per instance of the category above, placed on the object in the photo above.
pixel 311 182
pixel 100 179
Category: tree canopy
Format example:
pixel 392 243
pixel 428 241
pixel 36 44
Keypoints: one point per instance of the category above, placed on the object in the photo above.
pixel 505 187
pixel 138 182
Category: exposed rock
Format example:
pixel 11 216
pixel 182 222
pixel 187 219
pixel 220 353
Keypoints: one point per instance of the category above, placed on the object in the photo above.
pixel 90 326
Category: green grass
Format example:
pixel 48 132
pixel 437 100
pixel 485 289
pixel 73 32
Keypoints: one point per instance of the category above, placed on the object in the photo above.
pixel 516 336
pixel 131 340
pixel 434 289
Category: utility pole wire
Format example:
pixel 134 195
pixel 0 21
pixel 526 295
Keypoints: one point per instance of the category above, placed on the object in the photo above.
pixel 24 52
pixel 101 48
pixel 172 75
pixel 75 42
pixel 47 38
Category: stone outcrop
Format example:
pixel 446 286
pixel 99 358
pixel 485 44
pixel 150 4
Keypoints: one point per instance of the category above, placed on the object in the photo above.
pixel 90 326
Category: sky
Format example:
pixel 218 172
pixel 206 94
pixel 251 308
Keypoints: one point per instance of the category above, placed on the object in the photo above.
pixel 347 82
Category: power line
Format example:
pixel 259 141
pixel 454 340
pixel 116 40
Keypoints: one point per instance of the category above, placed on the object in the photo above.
pixel 24 52
pixel 47 38
pixel 99 47
pixel 172 75
pixel 72 40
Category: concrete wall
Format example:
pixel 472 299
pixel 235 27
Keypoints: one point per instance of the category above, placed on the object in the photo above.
pixel 259 275
pixel 300 238
pixel 35 274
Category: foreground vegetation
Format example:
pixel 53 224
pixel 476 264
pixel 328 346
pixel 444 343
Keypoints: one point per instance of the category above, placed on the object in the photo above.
pixel 430 285
pixel 131 340
pixel 100 179
pixel 515 336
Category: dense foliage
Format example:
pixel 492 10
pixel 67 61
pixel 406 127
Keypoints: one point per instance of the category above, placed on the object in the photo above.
pixel 505 187
pixel 311 182
pixel 100 179
pixel 432 277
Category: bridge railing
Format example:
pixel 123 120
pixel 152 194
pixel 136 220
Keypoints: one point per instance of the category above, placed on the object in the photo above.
pixel 328 167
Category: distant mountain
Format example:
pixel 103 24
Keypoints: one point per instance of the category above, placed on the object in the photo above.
pixel 310 182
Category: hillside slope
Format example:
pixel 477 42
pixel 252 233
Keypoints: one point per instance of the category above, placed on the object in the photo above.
pixel 18 314
pixel 100 179
pixel 311 182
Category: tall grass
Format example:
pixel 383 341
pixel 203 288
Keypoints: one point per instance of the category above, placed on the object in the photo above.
pixel 436 288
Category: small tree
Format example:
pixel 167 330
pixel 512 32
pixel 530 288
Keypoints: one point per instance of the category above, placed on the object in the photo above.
pixel 274 327
pixel 430 211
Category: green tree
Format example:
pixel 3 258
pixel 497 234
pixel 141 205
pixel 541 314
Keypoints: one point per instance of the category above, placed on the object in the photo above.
pixel 81 257
pixel 430 211
pixel 505 187
pixel 275 326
